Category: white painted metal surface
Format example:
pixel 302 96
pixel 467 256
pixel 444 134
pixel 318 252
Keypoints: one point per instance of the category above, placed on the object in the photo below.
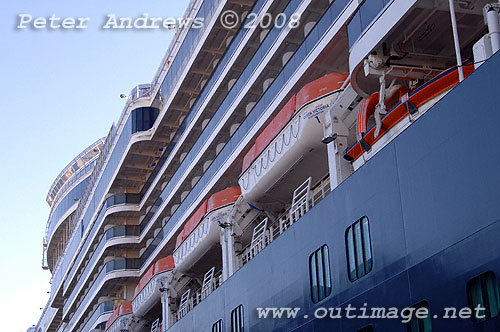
pixel 150 294
pixel 302 134
pixel 202 238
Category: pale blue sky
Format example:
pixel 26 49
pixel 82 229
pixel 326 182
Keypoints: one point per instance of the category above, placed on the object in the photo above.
pixel 60 92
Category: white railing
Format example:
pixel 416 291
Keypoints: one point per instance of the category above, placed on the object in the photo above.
pixel 46 318
pixel 139 92
pixel 260 240
pixel 304 199
pixel 189 299
pixel 75 218
pixel 176 42
pixel 263 234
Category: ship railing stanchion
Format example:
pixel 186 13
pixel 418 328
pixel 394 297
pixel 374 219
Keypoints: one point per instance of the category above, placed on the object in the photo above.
pixel 227 241
pixel 184 306
pixel 155 325
pixel 302 201
pixel 165 308
pixel 456 40
pixel 336 133
pixel 208 283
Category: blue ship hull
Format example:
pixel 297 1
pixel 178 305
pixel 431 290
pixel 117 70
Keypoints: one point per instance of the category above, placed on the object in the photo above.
pixel 431 196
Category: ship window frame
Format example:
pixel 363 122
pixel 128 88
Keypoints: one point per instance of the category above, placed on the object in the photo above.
pixel 320 274
pixel 238 319
pixel 420 324
pixel 359 251
pixel 488 293
pixel 218 326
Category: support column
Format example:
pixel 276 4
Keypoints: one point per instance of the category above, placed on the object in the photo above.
pixel 223 244
pixel 165 309
pixel 335 135
pixel 336 142
pixel 339 169
pixel 493 26
pixel 456 40
pixel 228 252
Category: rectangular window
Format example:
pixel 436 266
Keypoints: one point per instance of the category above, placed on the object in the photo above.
pixel 319 271
pixel 420 324
pixel 237 319
pixel 482 293
pixel 217 327
pixel 358 249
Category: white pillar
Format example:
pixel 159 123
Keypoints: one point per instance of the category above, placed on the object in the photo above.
pixel 335 137
pixel 165 310
pixel 228 253
pixel 457 42
pixel 338 167
pixel 494 30
pixel 231 254
pixel 223 245
pixel 332 165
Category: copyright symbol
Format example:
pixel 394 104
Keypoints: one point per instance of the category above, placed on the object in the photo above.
pixel 229 19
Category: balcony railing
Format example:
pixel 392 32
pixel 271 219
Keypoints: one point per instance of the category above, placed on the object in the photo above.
pixel 307 46
pixel 140 91
pixel 46 318
pixel 189 299
pixel 305 198
pixel 114 146
pixel 111 234
pixel 264 234
pixel 103 308
pixel 116 265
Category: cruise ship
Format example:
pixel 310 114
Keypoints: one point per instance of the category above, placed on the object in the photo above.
pixel 300 157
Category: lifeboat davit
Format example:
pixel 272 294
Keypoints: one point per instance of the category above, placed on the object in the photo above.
pixel 411 103
pixel 119 317
pixel 293 137
pixel 202 230
pixel 147 291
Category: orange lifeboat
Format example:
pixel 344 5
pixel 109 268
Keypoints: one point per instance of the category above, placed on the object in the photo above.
pixel 399 108
pixel 202 230
pixel 147 292
pixel 291 136
pixel 114 321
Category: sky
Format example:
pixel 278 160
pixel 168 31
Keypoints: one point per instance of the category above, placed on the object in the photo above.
pixel 60 92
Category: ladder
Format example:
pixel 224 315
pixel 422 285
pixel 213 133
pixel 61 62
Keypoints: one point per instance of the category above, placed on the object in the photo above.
pixel 301 203
pixel 184 305
pixel 155 325
pixel 208 283
pixel 259 238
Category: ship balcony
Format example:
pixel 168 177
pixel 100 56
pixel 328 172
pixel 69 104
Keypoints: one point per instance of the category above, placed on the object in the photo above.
pixel 139 92
pixel 100 315
pixel 290 145
pixel 232 97
pixel 106 280
pixel 147 292
pixel 115 236
pixel 120 319
pixel 49 320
